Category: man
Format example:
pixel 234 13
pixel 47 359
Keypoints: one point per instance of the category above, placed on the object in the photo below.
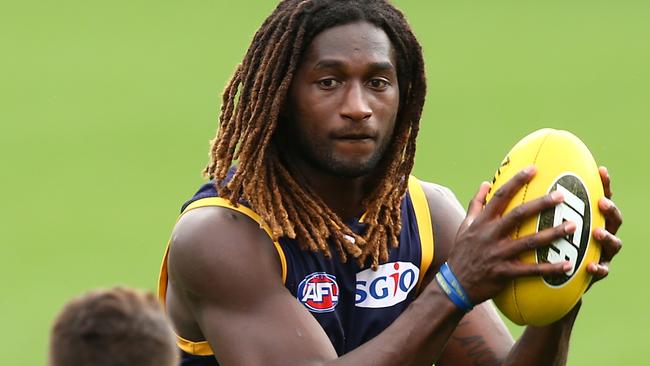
pixel 115 327
pixel 318 248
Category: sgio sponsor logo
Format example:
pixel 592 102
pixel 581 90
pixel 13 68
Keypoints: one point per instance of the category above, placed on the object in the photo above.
pixel 319 292
pixel 390 284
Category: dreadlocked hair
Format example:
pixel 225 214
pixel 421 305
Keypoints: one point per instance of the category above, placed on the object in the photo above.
pixel 251 106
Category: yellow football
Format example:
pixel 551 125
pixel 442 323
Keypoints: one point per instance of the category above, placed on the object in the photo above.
pixel 565 164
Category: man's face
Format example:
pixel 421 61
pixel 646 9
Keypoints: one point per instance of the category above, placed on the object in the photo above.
pixel 343 100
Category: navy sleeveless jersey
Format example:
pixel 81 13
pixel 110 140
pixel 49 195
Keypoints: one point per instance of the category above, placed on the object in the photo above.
pixel 351 304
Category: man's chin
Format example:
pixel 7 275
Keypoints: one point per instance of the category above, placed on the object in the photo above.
pixel 352 169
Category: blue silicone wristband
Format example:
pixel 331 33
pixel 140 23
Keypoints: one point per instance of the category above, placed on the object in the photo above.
pixel 446 288
pixel 455 285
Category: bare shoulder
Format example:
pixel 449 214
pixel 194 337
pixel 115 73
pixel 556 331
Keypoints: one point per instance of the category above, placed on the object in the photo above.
pixel 446 215
pixel 441 198
pixel 209 244
pixel 226 281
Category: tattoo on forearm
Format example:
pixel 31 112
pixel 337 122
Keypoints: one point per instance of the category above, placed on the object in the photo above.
pixel 477 349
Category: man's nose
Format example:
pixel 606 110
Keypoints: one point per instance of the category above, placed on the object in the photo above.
pixel 355 105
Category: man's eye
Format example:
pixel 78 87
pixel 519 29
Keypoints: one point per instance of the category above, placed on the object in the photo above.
pixel 379 83
pixel 328 83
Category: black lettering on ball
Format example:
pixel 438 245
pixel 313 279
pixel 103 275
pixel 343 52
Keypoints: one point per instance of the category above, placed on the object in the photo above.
pixel 575 208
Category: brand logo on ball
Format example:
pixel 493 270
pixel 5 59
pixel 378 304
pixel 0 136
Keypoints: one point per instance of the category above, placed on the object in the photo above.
pixel 319 292
pixel 575 208
pixel 390 284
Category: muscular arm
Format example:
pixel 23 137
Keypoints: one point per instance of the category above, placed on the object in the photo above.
pixel 481 337
pixel 224 269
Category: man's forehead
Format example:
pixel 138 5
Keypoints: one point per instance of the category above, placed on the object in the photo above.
pixel 351 40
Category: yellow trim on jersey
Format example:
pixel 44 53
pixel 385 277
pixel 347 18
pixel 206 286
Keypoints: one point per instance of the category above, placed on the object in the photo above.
pixel 203 348
pixel 162 278
pixel 423 218
pixel 194 348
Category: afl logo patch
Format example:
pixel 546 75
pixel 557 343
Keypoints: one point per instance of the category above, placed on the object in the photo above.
pixel 319 292
pixel 571 248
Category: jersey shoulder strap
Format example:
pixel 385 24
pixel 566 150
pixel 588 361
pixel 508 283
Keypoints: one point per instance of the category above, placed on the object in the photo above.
pixel 425 229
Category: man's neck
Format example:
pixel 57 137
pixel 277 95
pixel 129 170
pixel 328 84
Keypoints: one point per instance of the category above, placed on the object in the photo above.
pixel 342 195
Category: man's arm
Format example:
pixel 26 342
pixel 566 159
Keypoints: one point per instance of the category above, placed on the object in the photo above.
pixel 481 338
pixel 226 271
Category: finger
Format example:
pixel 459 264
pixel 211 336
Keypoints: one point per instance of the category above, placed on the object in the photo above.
pixel 611 244
pixel 598 270
pixel 538 269
pixel 504 194
pixel 476 205
pixel 538 240
pixel 521 212
pixel 607 181
pixel 613 216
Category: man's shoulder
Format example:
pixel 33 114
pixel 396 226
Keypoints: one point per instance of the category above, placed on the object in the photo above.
pixel 446 215
pixel 216 225
pixel 213 241
pixel 440 197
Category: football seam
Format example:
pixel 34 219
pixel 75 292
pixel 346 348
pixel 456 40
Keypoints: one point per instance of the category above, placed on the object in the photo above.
pixel 514 283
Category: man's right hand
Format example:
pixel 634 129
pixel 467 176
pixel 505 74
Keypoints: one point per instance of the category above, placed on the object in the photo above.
pixel 485 257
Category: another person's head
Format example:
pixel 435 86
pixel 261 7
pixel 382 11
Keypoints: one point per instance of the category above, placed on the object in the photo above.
pixel 114 327
pixel 268 122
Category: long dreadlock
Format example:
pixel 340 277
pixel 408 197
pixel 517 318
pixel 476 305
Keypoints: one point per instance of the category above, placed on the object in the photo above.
pixel 251 106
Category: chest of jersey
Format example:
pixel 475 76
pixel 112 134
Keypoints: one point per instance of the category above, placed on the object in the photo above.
pixel 354 304
pixel 351 303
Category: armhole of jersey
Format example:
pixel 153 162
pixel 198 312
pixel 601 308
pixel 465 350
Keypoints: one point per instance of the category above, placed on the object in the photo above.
pixel 425 229
pixel 203 348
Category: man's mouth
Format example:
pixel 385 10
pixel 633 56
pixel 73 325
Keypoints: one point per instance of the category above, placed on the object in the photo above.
pixel 355 136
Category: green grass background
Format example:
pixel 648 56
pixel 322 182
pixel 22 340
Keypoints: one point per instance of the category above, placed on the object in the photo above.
pixel 106 109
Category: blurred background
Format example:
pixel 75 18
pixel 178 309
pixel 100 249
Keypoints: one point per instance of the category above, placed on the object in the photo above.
pixel 106 109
